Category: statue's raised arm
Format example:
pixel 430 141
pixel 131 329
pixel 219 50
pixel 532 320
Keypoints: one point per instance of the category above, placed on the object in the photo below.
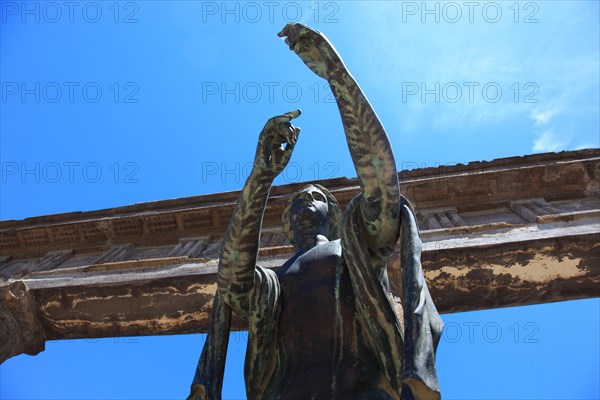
pixel 239 280
pixel 404 343
pixel 368 143
pixel 240 243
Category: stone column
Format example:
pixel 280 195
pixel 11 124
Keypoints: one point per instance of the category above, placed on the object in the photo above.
pixel 20 328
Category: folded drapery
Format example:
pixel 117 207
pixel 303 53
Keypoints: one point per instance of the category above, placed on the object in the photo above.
pixel 406 354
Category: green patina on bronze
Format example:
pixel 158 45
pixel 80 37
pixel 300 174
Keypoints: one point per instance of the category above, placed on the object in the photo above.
pixel 327 325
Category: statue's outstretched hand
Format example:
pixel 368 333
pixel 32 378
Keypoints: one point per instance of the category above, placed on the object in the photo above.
pixel 314 49
pixel 275 145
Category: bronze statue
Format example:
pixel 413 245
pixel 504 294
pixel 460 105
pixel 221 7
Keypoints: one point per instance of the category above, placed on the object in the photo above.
pixel 326 325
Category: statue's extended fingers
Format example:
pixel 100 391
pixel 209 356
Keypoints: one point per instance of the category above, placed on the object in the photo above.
pixel 292 33
pixel 292 134
pixel 286 153
pixel 289 29
pixel 282 137
pixel 285 138
pixel 287 117
pixel 285 31
pixel 281 120
pixel 294 114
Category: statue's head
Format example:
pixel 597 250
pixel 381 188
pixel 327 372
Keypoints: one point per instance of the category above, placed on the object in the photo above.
pixel 310 211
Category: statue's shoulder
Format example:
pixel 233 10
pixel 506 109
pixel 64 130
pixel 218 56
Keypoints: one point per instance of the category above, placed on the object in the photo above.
pixel 331 248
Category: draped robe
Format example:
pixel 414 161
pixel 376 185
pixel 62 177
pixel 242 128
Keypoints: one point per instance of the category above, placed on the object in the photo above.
pixel 405 351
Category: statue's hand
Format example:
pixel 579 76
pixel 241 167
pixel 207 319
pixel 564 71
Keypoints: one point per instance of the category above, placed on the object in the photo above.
pixel 275 145
pixel 314 49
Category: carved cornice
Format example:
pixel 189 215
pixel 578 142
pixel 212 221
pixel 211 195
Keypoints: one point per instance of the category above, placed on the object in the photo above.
pixel 463 188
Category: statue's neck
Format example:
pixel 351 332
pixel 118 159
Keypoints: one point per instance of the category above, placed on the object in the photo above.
pixel 305 243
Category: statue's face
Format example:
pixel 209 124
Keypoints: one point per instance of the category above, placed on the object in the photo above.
pixel 309 209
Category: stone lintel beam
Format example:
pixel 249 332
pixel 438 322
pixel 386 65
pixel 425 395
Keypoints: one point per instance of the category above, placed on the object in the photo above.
pixel 494 275
pixel 511 269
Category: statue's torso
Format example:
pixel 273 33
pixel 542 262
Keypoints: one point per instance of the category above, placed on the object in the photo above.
pixel 321 349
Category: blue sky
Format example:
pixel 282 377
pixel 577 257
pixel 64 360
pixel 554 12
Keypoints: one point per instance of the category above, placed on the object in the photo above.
pixel 112 103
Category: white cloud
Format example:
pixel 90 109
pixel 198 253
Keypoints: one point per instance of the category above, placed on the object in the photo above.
pixel 549 141
pixel 542 117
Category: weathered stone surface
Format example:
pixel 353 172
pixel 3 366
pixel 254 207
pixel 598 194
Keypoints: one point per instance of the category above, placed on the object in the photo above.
pixel 20 329
pixel 514 273
pixel 462 275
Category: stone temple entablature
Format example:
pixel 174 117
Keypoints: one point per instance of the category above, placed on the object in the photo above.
pixel 509 232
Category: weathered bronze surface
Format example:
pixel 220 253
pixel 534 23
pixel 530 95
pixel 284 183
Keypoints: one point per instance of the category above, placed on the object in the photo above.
pixel 327 324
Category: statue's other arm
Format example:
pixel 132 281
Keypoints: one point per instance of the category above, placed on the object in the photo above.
pixel 368 143
pixel 239 248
